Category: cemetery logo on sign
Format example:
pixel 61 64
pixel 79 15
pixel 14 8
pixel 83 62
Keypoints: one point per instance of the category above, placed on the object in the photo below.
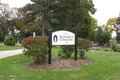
pixel 55 38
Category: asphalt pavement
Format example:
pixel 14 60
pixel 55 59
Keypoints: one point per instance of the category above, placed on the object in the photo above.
pixel 8 53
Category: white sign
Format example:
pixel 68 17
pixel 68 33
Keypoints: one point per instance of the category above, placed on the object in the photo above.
pixel 63 38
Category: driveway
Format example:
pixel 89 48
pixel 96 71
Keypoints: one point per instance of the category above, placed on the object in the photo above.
pixel 4 54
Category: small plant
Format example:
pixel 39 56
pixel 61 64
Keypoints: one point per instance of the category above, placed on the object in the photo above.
pixel 9 41
pixel 118 50
pixel 37 47
pixel 83 46
pixel 106 49
pixel 65 51
pixel 114 45
pixel 97 49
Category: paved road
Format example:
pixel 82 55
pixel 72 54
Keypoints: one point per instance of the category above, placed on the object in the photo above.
pixel 4 54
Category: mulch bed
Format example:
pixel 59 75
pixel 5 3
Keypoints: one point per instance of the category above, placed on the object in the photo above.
pixel 59 64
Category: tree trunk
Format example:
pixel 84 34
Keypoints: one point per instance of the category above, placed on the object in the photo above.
pixel 3 34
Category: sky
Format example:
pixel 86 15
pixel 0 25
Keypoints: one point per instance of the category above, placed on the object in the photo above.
pixel 16 3
pixel 105 9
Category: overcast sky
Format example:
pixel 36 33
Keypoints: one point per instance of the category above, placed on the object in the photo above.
pixel 16 3
pixel 105 8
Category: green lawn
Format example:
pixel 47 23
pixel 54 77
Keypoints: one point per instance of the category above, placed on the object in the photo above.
pixel 5 48
pixel 106 66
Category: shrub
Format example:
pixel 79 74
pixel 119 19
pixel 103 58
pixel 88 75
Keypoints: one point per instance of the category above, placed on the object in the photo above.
pixel 114 44
pixel 118 50
pixel 97 49
pixel 106 49
pixel 65 51
pixel 37 47
pixel 10 41
pixel 83 46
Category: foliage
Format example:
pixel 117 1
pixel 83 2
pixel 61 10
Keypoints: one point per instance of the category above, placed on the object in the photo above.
pixel 97 49
pixel 39 11
pixel 1 36
pixel 106 49
pixel 18 24
pixel 9 41
pixel 103 36
pixel 118 50
pixel 92 32
pixel 111 24
pixel 37 47
pixel 73 15
pixel 117 29
pixel 118 21
pixel 106 37
pixel 66 51
pixel 114 44
pixel 99 36
pixel 83 46
pixel 5 15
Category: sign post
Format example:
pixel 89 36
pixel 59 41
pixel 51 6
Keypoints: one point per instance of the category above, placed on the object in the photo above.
pixel 62 37
pixel 75 45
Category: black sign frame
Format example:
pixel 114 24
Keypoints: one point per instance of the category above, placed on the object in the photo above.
pixel 50 46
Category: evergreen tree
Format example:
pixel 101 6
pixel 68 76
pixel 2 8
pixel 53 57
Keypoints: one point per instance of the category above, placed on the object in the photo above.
pixel 39 11
pixel 73 15
pixel 117 29
pixel 1 36
pixel 99 36
pixel 103 36
pixel 106 37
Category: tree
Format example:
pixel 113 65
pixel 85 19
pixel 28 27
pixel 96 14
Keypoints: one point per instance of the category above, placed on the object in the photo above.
pixel 106 37
pixel 99 36
pixel 17 24
pixel 5 15
pixel 1 36
pixel 17 15
pixel 103 36
pixel 60 14
pixel 117 29
pixel 111 24
pixel 39 10
pixel 73 15
pixel 93 31
pixel 114 44
pixel 118 21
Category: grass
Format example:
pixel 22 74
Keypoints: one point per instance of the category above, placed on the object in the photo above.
pixel 5 48
pixel 106 66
